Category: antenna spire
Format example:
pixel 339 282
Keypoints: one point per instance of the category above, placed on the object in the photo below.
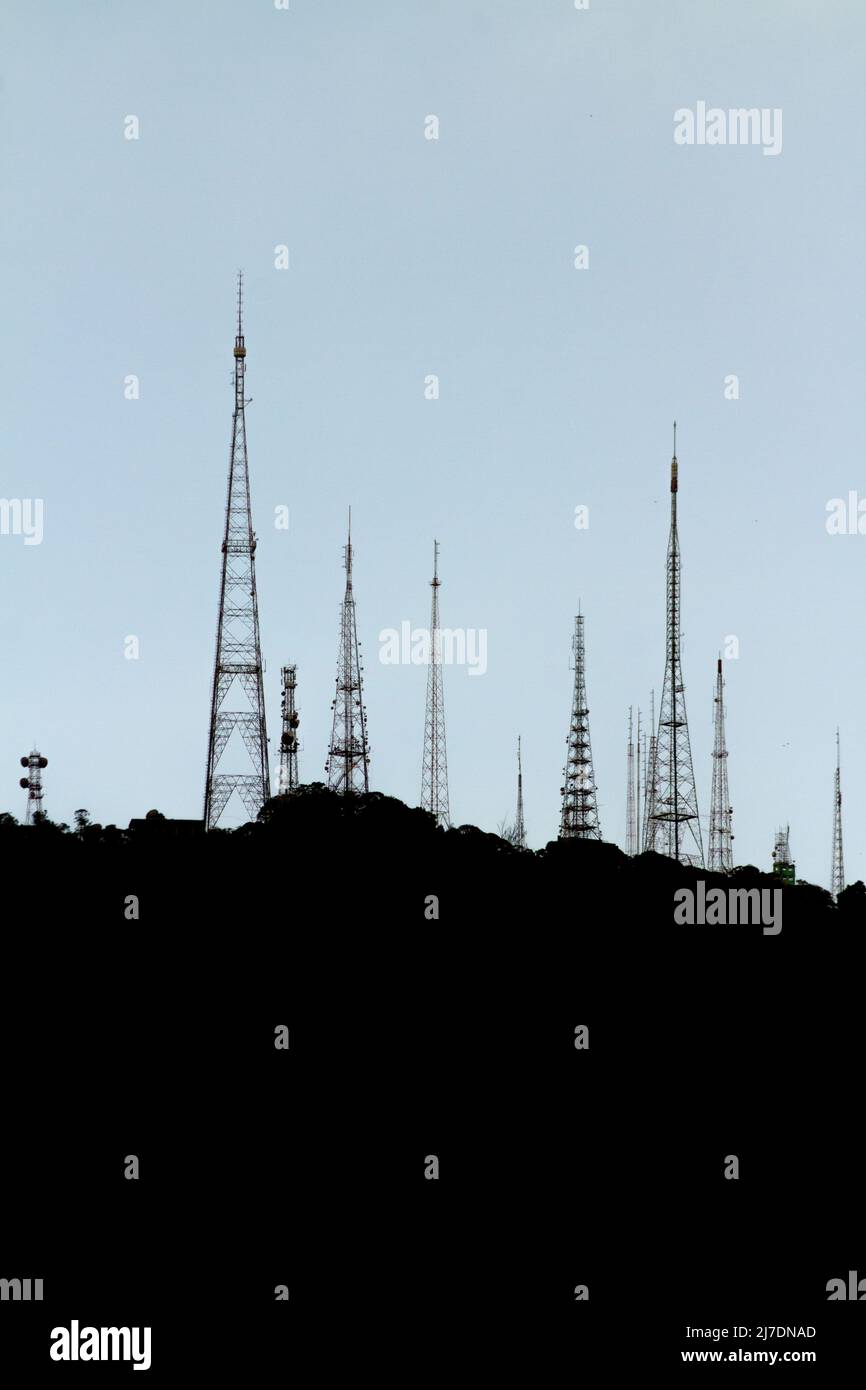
pixel 240 350
pixel 721 857
pixel 348 752
pixel 434 767
pixel 674 815
pixel 674 466
pixel 518 834
pixel 630 808
pixel 638 812
pixel 651 837
pixel 289 744
pixel 238 668
pixel 838 867
pixel 579 818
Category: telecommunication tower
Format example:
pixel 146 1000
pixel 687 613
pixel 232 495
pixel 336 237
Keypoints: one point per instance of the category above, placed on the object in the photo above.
pixel 32 784
pixel 637 766
pixel 721 835
pixel 579 818
pixel 783 865
pixel 675 812
pixel 630 811
pixel 519 833
pixel 289 740
pixel 238 662
pixel 838 869
pixel 434 770
pixel 348 754
pixel 650 836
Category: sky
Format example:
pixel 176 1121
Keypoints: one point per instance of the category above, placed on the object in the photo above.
pixel 411 257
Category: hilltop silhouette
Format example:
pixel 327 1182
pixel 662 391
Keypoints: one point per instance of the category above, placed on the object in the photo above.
pixel 433 981
pixel 313 845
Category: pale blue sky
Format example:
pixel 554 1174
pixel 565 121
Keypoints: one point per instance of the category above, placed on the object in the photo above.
pixel 558 387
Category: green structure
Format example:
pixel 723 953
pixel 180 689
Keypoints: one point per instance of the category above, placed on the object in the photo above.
pixel 783 865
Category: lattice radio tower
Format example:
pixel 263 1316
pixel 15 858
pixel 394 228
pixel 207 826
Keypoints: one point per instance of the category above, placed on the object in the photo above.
pixel 434 769
pixel 630 810
pixel 838 870
pixel 579 809
pixel 638 764
pixel 238 663
pixel 32 783
pixel 675 809
pixel 519 832
pixel 721 858
pixel 289 739
pixel 650 827
pixel 783 865
pixel 348 754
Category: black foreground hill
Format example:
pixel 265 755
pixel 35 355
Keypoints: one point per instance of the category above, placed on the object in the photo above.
pixel 147 969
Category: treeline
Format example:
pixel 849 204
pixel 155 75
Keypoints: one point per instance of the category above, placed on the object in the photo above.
pixel 313 845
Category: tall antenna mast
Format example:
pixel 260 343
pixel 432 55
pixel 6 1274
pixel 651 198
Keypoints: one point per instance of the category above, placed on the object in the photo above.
pixel 650 827
pixel 638 814
pixel 579 809
pixel 348 754
pixel 721 835
pixel 289 740
pixel 238 662
pixel 32 784
pixel 519 833
pixel 630 814
pixel 838 870
pixel 434 768
pixel 675 812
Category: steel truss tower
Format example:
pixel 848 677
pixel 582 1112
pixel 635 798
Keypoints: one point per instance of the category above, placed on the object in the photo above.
pixel 783 865
pixel 579 809
pixel 238 663
pixel 650 828
pixel 721 836
pixel 434 769
pixel 348 754
pixel 289 739
pixel 630 811
pixel 519 832
pixel 837 878
pixel 675 812
pixel 32 784
pixel 638 815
